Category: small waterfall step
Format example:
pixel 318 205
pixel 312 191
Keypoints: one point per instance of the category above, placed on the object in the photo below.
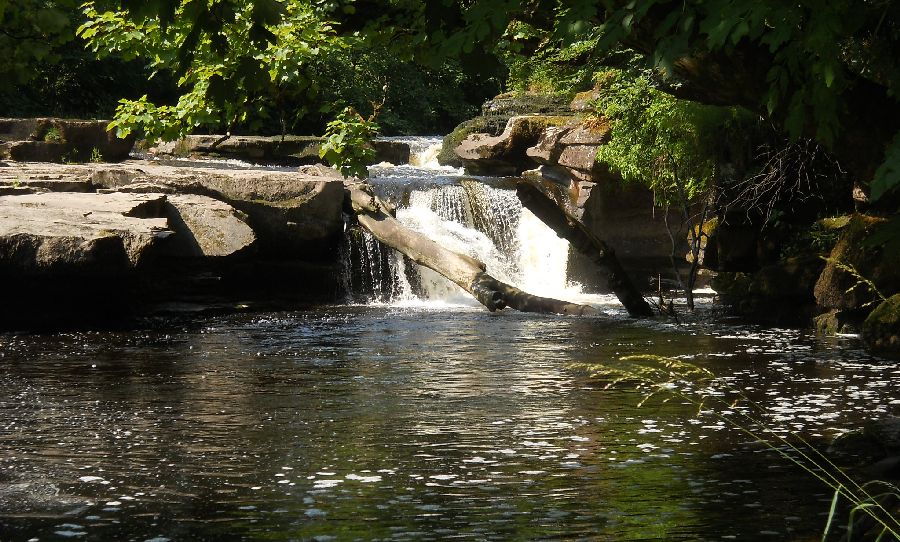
pixel 478 217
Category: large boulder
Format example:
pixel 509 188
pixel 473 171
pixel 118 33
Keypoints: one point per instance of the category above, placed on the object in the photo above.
pixel 484 154
pixel 495 115
pixel 206 227
pixel 74 233
pixel 61 140
pixel 851 263
pixel 881 329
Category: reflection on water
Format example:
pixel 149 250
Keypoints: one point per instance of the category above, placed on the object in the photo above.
pixel 382 423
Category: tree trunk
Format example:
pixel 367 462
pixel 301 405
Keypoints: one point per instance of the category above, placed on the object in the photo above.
pixel 465 271
pixel 600 253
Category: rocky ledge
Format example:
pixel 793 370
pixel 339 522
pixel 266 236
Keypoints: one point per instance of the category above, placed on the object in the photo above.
pixel 105 241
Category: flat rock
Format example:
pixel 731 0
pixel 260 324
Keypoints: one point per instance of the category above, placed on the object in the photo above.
pixel 294 215
pixel 39 176
pixel 100 234
pixel 289 150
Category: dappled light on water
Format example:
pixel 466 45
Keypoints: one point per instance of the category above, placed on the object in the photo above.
pixel 405 422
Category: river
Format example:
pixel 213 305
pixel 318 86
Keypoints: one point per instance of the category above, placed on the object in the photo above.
pixel 405 417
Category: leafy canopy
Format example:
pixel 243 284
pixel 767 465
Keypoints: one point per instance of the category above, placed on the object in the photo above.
pixel 668 144
pixel 826 70
pixel 250 55
pixel 31 32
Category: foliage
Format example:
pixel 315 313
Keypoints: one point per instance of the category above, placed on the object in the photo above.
pixel 53 135
pixel 348 143
pixel 672 378
pixel 418 99
pixel 251 56
pixel 31 33
pixel 665 143
pixel 824 71
pixel 818 238
pixel 550 67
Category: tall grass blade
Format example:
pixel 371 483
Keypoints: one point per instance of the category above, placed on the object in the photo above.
pixel 832 512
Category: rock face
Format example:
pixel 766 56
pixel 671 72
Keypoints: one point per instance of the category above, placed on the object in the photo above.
pixel 141 233
pixel 59 140
pixel 564 149
pixel 572 148
pixel 624 216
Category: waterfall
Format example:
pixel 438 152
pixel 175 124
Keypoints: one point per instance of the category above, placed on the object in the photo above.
pixel 480 217
pixel 423 150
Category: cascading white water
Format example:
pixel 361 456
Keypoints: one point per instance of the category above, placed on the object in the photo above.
pixel 480 217
pixel 423 150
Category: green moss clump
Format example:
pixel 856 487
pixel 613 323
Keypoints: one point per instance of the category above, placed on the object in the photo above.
pixel 881 330
pixel 447 157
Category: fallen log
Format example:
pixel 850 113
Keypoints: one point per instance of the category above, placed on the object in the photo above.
pixel 464 271
pixel 572 230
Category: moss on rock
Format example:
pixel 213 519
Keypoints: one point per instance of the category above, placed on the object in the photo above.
pixel 881 330
pixel 841 286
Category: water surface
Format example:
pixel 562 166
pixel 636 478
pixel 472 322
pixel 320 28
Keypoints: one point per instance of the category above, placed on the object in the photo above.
pixel 410 423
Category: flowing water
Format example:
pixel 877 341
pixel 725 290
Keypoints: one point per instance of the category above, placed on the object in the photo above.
pixel 416 415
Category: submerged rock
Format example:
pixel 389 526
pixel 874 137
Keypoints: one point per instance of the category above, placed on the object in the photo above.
pixel 777 294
